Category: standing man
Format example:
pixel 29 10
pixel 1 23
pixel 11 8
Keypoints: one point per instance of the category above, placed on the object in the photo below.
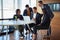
pixel 49 11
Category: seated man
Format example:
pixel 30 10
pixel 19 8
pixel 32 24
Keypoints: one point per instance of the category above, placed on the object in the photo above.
pixel 20 17
pixel 36 17
pixel 45 23
pixel 27 12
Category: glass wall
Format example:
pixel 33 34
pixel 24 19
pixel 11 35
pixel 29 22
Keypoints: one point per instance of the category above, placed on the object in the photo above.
pixel 8 7
pixel 55 6
pixel 0 10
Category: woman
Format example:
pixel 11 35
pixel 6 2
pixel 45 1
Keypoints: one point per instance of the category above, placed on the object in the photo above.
pixel 20 17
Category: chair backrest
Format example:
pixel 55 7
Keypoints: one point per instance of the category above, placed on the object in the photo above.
pixel 26 18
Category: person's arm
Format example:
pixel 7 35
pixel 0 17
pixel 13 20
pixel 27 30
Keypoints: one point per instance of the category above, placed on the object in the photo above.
pixel 49 11
pixel 22 17
pixel 24 13
pixel 44 20
pixel 14 17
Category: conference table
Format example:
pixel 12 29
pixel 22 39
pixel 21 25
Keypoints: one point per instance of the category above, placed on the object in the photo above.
pixel 14 23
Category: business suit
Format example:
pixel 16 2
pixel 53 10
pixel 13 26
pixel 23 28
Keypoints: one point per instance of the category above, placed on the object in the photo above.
pixel 49 11
pixel 38 18
pixel 44 24
pixel 26 14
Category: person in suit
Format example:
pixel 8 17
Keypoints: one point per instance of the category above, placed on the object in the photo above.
pixel 45 23
pixel 27 12
pixel 36 17
pixel 49 11
pixel 18 16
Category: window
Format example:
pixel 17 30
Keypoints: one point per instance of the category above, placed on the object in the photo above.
pixel 33 3
pixel 23 3
pixel 55 6
pixel 0 9
pixel 8 8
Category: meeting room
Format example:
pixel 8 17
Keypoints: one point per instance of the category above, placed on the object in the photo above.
pixel 29 19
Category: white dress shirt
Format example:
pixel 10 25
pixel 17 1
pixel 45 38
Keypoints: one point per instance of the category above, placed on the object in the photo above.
pixel 34 15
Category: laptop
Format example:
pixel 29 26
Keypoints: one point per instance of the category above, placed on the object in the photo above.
pixel 26 18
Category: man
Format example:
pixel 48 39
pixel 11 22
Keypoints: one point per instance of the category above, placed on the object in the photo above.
pixel 27 12
pixel 47 16
pixel 45 23
pixel 49 11
pixel 37 17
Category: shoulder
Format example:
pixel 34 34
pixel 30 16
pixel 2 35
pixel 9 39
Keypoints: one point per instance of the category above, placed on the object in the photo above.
pixel 46 5
pixel 40 14
pixel 20 15
pixel 30 8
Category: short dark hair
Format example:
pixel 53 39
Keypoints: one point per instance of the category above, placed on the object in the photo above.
pixel 27 5
pixel 17 10
pixel 40 2
pixel 35 8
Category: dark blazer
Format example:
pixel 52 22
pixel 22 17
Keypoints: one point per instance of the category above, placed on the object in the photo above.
pixel 49 11
pixel 46 21
pixel 18 17
pixel 25 12
pixel 38 18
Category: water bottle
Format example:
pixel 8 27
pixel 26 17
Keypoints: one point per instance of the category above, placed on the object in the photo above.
pixel 16 18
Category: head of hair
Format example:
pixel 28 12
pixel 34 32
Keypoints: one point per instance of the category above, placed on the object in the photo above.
pixel 35 8
pixel 44 10
pixel 17 10
pixel 40 2
pixel 27 5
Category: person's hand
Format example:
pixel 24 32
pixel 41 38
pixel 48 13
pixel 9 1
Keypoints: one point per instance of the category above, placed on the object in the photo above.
pixel 38 24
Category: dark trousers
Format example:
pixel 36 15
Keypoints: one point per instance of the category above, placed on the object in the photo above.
pixel 30 26
pixel 21 29
pixel 39 27
pixel 49 31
